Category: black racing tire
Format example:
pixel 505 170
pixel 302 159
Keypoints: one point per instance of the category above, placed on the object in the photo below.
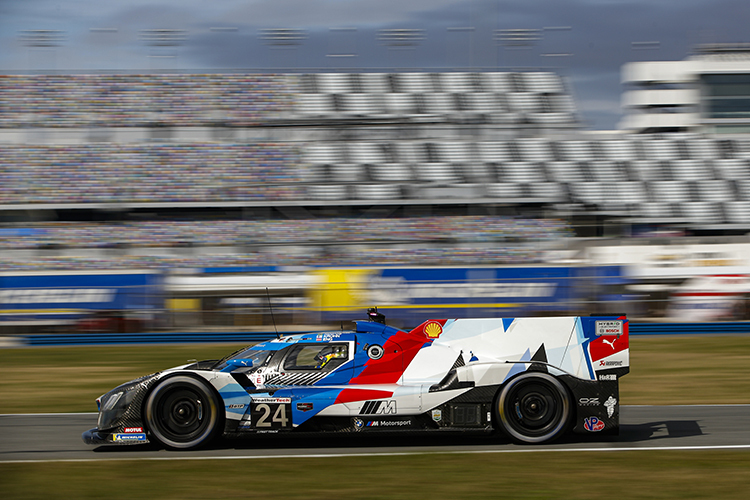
pixel 533 408
pixel 182 412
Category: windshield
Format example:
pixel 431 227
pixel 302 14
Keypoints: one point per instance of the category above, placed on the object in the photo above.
pixel 257 354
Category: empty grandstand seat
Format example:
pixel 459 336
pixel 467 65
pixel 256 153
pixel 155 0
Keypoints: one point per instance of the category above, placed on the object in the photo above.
pixel 375 83
pixel 333 83
pixel 619 150
pixel 658 211
pixel 391 172
pixel 365 152
pixel 441 173
pixel 702 212
pixel 521 172
pixel 732 169
pixel 717 190
pixel 702 149
pixel 457 82
pixel 315 105
pixel 494 152
pixel 646 170
pixel 575 150
pixel 630 192
pixel 377 192
pixel 535 149
pixel 548 191
pixel 504 190
pixel 416 83
pixel 607 171
pixel 347 172
pixel 691 170
pixel 322 153
pixel 400 104
pixel 661 149
pixel 543 82
pixel 565 171
pixel 327 192
pixel 497 82
pixel 737 212
pixel 670 191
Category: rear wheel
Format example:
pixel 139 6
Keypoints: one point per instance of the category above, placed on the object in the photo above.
pixel 533 408
pixel 183 412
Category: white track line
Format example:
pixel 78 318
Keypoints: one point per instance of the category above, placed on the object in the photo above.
pixel 392 454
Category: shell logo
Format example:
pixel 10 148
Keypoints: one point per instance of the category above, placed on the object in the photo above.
pixel 433 329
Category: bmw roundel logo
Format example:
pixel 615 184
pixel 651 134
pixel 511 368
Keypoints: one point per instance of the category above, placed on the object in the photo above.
pixel 375 351
pixel 358 423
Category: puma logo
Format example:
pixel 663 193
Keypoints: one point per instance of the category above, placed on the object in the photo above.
pixel 611 343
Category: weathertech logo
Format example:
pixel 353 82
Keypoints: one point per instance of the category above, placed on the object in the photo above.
pixel 379 408
pixel 433 330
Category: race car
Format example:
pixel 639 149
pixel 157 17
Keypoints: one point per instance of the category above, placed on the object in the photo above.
pixel 531 378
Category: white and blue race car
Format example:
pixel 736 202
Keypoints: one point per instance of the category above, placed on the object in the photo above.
pixel 532 378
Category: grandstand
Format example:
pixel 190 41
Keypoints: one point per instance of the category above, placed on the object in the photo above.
pixel 160 170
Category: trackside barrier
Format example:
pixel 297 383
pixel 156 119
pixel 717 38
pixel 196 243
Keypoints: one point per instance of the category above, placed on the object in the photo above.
pixel 249 337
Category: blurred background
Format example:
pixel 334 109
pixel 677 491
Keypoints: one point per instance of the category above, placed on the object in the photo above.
pixel 173 166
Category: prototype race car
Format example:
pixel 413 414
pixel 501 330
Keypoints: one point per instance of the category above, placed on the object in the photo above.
pixel 532 378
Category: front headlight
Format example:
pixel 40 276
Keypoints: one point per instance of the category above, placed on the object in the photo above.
pixel 114 404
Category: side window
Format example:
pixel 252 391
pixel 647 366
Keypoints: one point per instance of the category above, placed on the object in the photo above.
pixel 316 357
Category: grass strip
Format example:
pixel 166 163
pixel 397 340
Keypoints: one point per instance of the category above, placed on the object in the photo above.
pixel 584 475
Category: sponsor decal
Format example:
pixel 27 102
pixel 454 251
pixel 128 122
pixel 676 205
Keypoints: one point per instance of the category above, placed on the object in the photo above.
pixel 608 377
pixel 610 404
pixel 327 337
pixel 433 329
pixel 593 424
pixel 56 296
pixel 588 402
pixel 304 406
pixel 136 438
pixel 613 327
pixel 358 423
pixel 375 351
pixel 272 400
pixel 236 406
pixel 437 415
pixel 610 363
pixel 132 430
pixel 388 423
pixel 387 407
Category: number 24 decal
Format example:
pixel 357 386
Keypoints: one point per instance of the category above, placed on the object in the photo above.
pixel 271 416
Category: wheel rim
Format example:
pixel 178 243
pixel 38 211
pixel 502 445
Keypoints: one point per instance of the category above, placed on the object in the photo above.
pixel 534 408
pixel 181 413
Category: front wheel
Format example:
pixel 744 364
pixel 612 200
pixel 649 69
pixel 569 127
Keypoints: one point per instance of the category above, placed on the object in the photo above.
pixel 533 408
pixel 183 412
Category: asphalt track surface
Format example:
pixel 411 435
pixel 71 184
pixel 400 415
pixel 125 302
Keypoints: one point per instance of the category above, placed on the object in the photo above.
pixel 57 437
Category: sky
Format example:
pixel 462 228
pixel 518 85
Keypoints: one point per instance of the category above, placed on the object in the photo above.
pixel 587 41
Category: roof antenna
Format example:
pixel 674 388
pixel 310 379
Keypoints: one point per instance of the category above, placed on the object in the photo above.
pixel 270 308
